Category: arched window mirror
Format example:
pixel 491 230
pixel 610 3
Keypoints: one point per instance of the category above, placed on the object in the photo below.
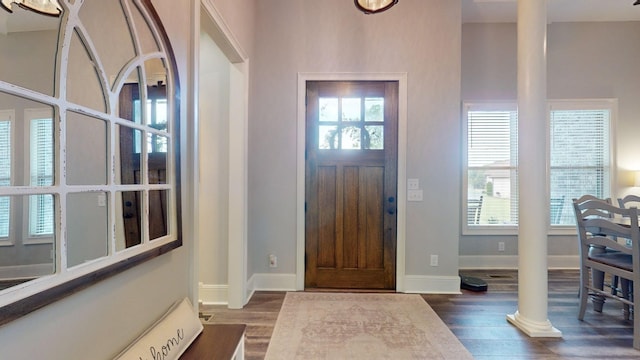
pixel 89 140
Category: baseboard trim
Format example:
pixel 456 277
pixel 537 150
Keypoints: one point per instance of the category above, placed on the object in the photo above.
pixel 211 294
pixel 273 282
pixel 511 262
pixel 424 284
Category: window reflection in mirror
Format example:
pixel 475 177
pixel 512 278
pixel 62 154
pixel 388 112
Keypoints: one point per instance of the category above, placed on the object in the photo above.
pixel 27 230
pixel 27 224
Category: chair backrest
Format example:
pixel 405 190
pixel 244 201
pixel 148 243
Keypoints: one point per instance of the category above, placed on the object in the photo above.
pixel 603 226
pixel 590 211
pixel 629 201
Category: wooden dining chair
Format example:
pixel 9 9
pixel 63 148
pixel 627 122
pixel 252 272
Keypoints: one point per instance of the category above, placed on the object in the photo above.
pixel 598 277
pixel 627 202
pixel 605 230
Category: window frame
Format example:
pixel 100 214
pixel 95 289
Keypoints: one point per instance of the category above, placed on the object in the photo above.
pixel 10 114
pixel 480 229
pixel 29 116
pixel 559 104
pixel 582 104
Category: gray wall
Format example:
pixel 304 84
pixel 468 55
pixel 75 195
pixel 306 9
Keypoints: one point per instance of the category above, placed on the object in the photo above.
pixel 421 38
pixel 585 61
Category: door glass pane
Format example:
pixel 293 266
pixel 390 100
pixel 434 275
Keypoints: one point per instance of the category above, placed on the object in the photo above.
pixel 374 137
pixel 374 109
pixel 350 138
pixel 328 109
pixel 350 109
pixel 327 137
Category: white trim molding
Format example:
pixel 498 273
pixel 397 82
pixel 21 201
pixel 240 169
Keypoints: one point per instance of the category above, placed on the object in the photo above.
pixel 511 262
pixel 213 294
pixel 426 284
pixel 273 282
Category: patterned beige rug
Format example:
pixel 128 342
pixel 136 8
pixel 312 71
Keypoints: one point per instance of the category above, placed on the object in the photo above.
pixel 361 326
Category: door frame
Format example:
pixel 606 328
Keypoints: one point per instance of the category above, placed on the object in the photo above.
pixel 401 78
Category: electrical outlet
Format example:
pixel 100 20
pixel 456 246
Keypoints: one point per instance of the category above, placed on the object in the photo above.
pixel 501 246
pixel 273 261
pixel 413 184
pixel 434 260
pixel 414 195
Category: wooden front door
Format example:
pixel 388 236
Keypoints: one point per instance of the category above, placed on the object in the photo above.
pixel 351 184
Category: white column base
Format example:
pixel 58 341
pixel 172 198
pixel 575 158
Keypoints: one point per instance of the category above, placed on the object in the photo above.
pixel 533 328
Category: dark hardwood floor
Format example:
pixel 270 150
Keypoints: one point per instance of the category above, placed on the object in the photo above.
pixel 479 321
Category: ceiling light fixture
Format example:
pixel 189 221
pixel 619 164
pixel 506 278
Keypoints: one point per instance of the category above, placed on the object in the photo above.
pixel 375 6
pixel 44 7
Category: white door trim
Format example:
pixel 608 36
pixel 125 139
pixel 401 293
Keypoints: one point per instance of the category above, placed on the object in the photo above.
pixel 215 26
pixel 402 164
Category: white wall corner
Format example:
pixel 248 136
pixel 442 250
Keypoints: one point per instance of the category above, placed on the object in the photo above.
pixel 511 262
pixel 423 284
pixel 212 294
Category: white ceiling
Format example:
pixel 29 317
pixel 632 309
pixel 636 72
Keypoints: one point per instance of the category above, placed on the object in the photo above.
pixel 557 10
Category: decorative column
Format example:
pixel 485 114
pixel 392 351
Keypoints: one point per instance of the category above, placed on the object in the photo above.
pixel 531 316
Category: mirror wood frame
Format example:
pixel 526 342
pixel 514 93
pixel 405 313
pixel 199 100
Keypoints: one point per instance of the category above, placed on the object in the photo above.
pixel 50 288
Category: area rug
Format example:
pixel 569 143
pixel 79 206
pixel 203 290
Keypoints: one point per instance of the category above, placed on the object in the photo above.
pixel 361 326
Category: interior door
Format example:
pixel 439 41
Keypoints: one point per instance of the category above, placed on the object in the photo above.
pixel 351 184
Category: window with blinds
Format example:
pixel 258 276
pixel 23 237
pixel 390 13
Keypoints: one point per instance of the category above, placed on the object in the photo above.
pixel 579 160
pixel 41 207
pixel 491 166
pixel 5 172
pixel 579 157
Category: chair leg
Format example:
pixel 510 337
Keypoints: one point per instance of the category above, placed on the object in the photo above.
pixel 626 288
pixel 598 283
pixel 614 285
pixel 636 319
pixel 584 292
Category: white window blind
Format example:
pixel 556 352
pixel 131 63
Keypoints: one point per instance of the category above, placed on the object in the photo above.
pixel 491 166
pixel 579 157
pixel 5 175
pixel 41 220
